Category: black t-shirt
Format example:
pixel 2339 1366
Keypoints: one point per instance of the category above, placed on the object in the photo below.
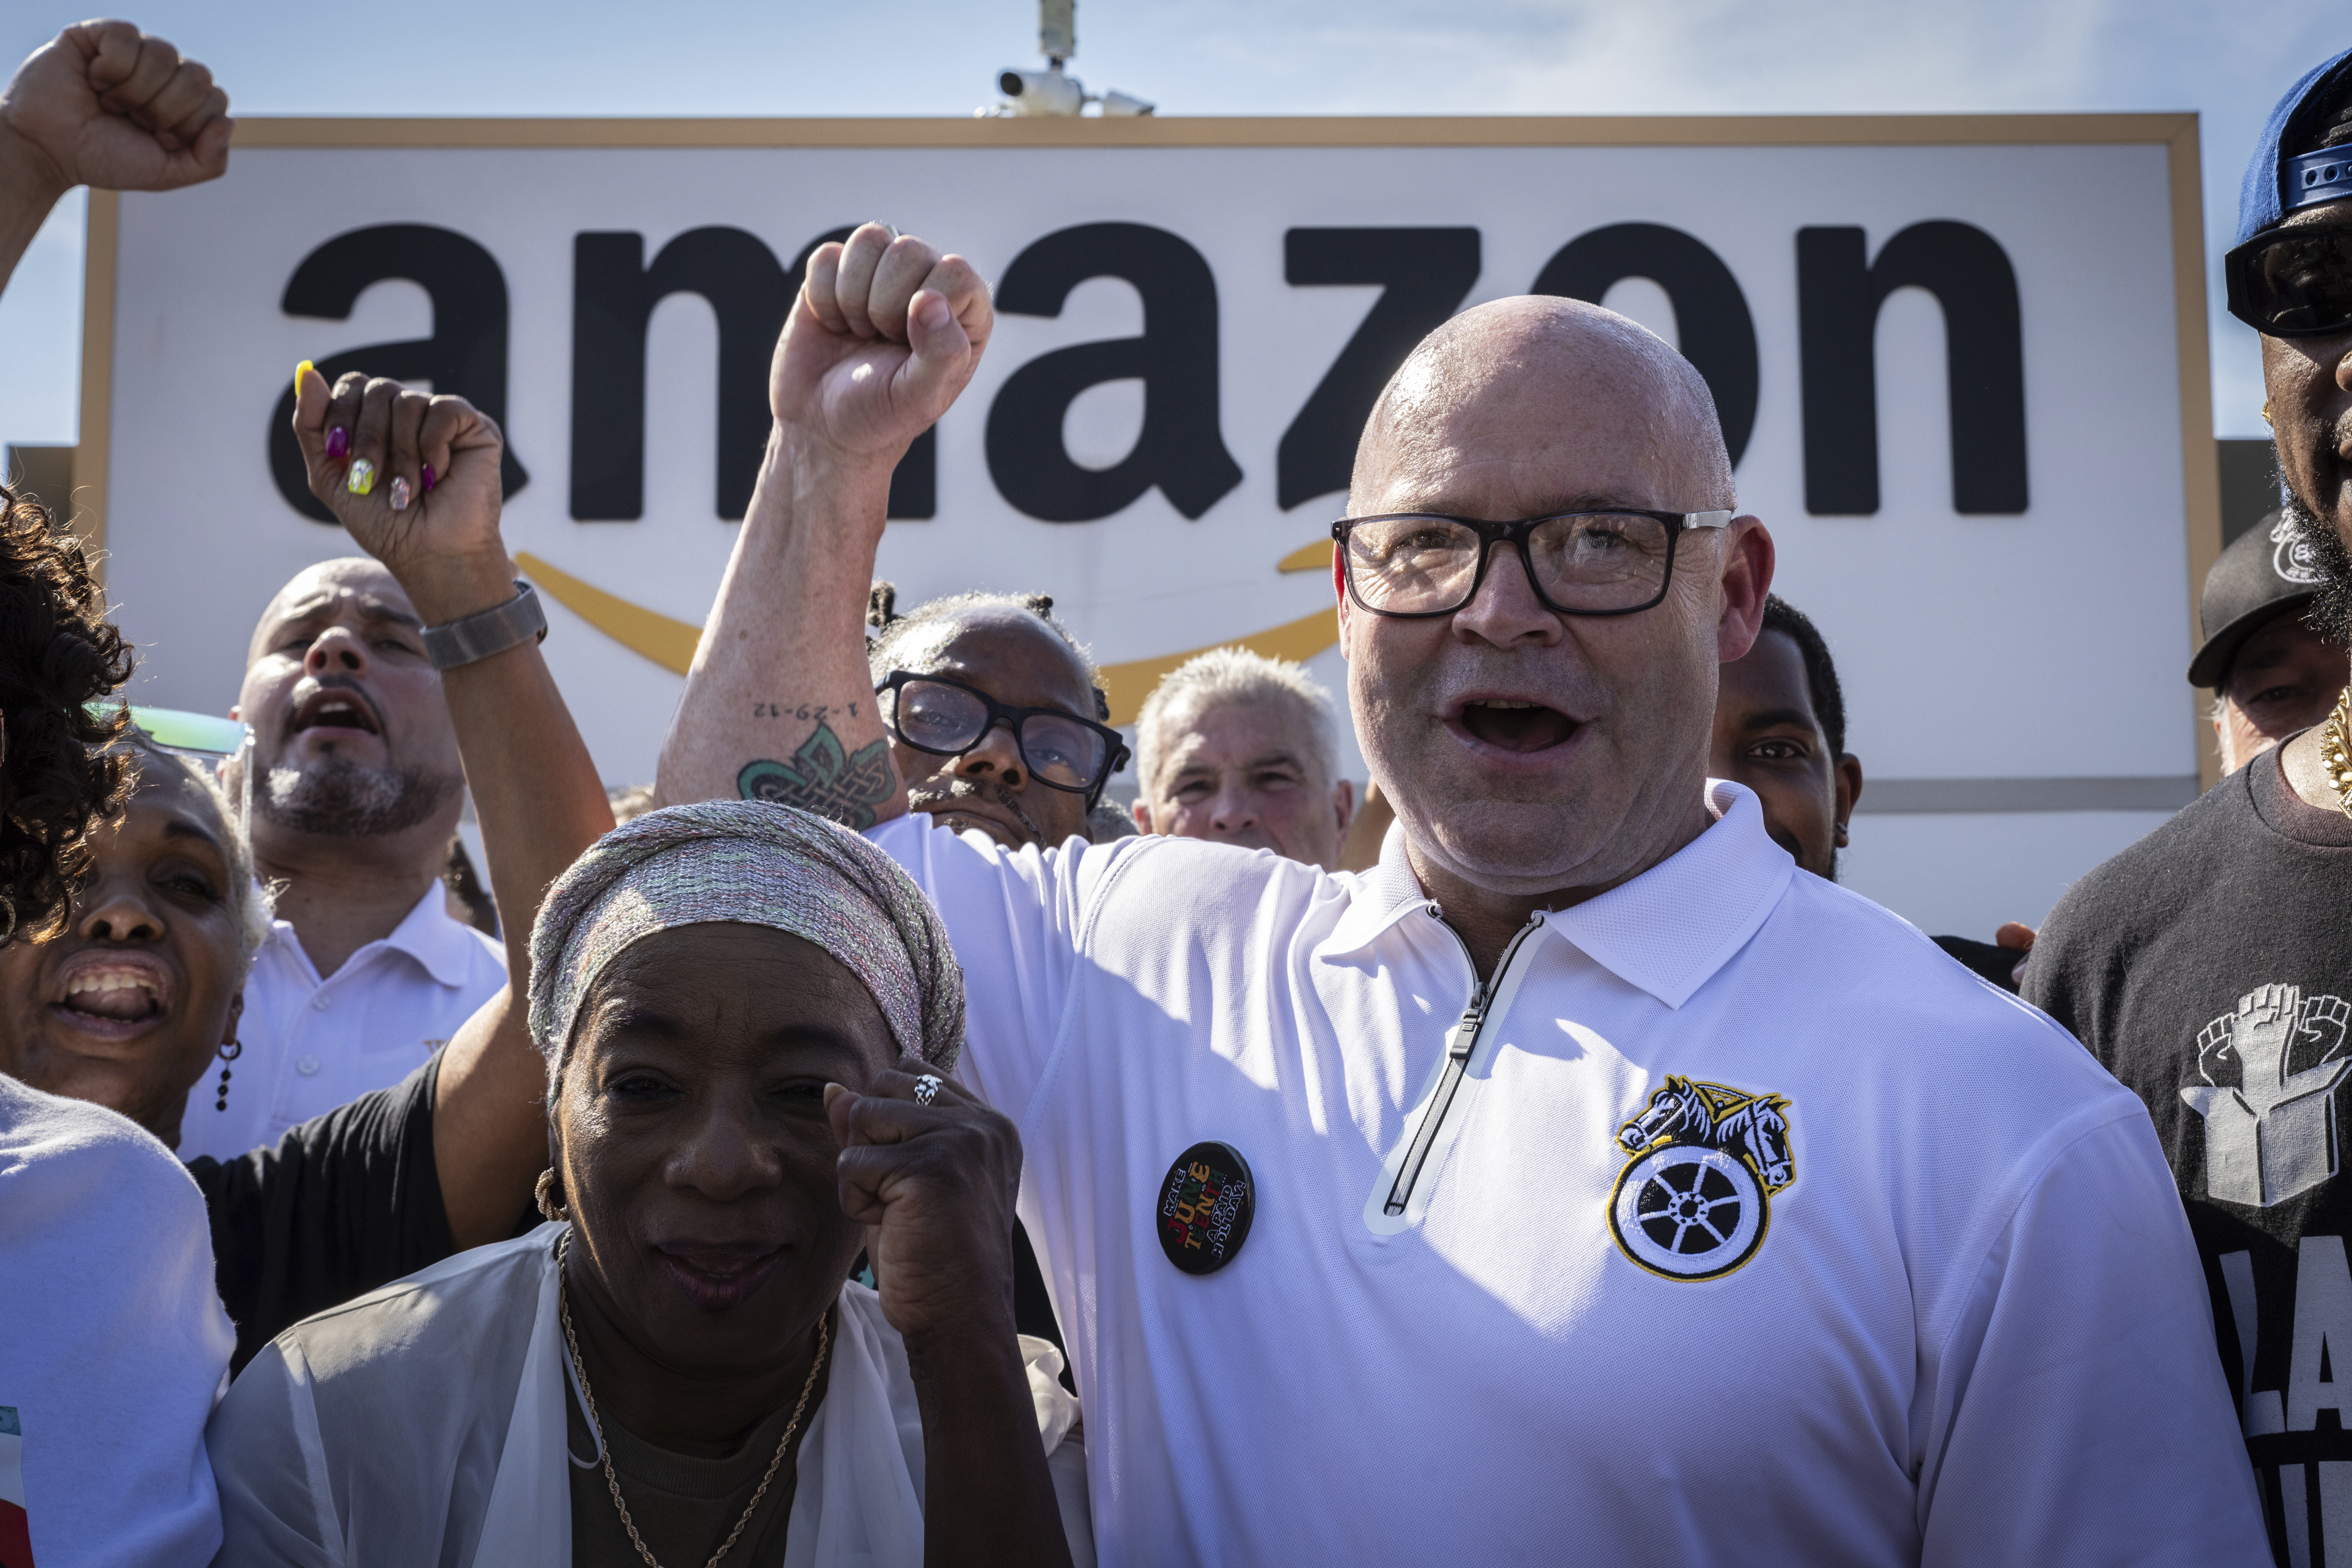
pixel 1985 959
pixel 2210 967
pixel 345 1202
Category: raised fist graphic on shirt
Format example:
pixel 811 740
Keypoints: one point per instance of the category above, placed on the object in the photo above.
pixel 2271 1132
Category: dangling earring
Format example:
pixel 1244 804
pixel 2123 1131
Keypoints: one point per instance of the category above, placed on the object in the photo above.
pixel 229 1051
pixel 2266 411
pixel 545 1195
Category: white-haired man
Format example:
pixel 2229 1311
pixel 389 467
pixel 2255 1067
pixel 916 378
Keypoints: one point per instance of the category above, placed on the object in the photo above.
pixel 1581 1182
pixel 1238 748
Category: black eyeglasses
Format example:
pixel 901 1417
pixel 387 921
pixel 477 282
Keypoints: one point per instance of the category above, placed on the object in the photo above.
pixel 948 718
pixel 1414 564
pixel 2293 282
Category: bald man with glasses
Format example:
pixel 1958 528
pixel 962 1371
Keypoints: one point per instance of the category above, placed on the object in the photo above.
pixel 1579 1182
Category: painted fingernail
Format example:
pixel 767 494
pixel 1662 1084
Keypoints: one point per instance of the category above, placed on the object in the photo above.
pixel 399 494
pixel 300 371
pixel 429 476
pixel 362 478
pixel 338 441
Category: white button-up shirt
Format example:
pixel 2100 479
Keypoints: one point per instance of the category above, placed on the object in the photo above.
pixel 1750 1228
pixel 312 1044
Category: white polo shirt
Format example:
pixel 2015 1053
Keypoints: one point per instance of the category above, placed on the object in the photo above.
pixel 312 1044
pixel 1905 1281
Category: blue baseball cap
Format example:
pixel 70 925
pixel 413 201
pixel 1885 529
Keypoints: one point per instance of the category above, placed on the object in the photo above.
pixel 2279 181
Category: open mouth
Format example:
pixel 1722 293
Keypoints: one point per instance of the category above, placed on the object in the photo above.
pixel 335 707
pixel 112 997
pixel 718 1275
pixel 1509 724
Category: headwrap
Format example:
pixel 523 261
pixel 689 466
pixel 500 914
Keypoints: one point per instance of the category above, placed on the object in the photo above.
pixel 748 862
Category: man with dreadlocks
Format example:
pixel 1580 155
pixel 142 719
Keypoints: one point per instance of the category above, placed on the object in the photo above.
pixel 2210 966
pixel 994 718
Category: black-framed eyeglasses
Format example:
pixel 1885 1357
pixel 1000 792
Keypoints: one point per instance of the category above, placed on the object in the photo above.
pixel 1413 564
pixel 2293 282
pixel 948 718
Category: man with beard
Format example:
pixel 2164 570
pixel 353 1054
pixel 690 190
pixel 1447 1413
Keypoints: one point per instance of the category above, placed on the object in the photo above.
pixel 2210 966
pixel 1580 1181
pixel 2272 672
pixel 356 790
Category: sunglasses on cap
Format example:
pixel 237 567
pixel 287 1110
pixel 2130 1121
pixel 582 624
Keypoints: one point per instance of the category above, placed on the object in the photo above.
pixel 2293 282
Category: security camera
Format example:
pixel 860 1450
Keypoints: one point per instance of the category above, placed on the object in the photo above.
pixel 1049 91
pixel 1042 92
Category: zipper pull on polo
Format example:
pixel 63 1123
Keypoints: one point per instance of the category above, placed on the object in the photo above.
pixel 1458 1051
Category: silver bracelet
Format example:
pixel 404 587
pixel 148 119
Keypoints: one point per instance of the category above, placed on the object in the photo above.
pixel 509 625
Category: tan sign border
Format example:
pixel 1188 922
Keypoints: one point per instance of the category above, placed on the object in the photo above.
pixel 2176 132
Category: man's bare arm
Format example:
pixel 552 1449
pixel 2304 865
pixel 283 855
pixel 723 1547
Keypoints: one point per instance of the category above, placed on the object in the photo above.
pixel 534 786
pixel 778 704
pixel 103 104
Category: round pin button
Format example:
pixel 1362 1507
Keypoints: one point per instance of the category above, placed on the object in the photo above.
pixel 1206 1202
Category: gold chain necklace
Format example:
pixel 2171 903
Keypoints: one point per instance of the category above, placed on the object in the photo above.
pixel 604 1451
pixel 2336 751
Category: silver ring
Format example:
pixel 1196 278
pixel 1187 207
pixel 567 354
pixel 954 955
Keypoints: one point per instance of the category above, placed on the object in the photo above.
pixel 927 1089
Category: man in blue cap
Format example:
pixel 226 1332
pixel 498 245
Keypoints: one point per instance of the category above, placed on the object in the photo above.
pixel 2210 966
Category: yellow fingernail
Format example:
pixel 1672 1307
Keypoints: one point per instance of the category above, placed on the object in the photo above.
pixel 300 371
pixel 362 479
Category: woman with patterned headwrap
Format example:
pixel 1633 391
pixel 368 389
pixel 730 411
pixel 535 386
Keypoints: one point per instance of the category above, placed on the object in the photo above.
pixel 748 1015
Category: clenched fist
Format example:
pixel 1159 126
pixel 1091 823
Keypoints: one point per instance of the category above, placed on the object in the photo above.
pixel 413 479
pixel 104 104
pixel 884 336
pixel 937 1183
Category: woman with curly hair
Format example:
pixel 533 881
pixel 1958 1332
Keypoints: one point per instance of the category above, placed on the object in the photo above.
pixel 116 1345
pixel 57 655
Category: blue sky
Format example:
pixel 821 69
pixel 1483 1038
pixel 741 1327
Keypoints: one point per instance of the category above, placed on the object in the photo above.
pixel 2227 61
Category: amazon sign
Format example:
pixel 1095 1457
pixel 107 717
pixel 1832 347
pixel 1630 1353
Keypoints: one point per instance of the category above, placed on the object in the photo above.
pixel 1958 362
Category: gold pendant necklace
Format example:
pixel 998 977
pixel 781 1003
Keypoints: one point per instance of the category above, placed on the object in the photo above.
pixel 2336 751
pixel 604 1451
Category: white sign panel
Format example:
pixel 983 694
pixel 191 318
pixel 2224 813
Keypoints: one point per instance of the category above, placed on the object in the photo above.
pixel 1949 355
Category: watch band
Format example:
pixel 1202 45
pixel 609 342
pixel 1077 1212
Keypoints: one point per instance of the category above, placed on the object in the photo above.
pixel 509 625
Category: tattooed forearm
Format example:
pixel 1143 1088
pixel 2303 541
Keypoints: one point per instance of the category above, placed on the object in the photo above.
pixel 825 778
pixel 807 712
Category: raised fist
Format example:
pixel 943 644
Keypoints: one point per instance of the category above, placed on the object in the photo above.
pixel 2263 1032
pixel 104 104
pixel 413 479
pixel 884 336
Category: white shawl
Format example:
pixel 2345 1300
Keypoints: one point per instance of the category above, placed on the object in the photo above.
pixel 426 1423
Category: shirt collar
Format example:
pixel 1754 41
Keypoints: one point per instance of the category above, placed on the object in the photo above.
pixel 1385 895
pixel 442 946
pixel 1666 932
pixel 1671 928
pixel 431 936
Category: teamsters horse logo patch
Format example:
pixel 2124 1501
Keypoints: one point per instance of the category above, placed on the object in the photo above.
pixel 1695 1199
